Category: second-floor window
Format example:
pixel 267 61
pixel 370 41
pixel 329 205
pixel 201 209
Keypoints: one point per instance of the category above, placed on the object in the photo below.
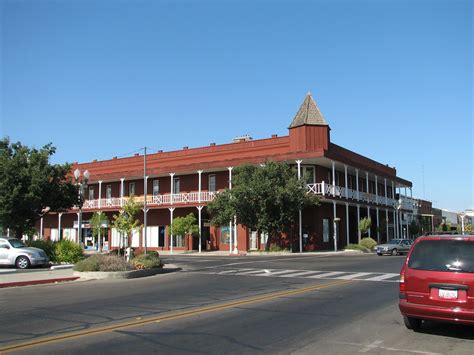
pixel 156 187
pixel 131 189
pixel 309 175
pixel 108 192
pixel 212 183
pixel 176 187
pixel 91 193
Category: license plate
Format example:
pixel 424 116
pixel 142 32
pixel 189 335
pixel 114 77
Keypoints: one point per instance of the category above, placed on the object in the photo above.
pixel 448 294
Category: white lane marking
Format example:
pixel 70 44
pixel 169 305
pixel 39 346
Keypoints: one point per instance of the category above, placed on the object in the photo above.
pixel 354 276
pixel 299 274
pixel 375 345
pixel 382 277
pixel 275 260
pixel 250 272
pixel 327 274
pixel 278 272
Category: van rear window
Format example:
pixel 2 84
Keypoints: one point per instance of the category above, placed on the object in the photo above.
pixel 443 255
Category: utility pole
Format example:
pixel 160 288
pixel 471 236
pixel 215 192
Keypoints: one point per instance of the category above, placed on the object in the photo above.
pixel 145 183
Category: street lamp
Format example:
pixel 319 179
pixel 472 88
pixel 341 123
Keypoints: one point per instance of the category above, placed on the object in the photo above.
pixel 82 184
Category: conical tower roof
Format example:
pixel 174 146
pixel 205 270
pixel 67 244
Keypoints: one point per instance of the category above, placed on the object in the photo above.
pixel 308 114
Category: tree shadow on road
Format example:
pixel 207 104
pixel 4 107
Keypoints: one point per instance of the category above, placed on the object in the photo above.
pixel 459 331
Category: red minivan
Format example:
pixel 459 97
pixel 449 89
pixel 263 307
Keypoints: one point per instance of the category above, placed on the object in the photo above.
pixel 437 281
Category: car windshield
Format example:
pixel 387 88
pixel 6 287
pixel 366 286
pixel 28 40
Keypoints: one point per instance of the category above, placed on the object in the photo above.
pixel 394 241
pixel 443 255
pixel 16 243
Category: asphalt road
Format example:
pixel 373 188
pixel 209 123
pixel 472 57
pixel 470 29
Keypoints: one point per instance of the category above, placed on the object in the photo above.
pixel 307 305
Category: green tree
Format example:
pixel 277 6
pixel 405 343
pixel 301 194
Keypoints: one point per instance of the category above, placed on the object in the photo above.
pixel 364 226
pixel 265 198
pixel 97 223
pixel 184 226
pixel 30 186
pixel 127 220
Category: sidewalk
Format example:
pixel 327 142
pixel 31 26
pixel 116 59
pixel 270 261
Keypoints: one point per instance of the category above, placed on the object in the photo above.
pixel 14 277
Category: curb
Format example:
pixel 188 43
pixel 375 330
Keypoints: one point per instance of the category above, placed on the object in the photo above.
pixel 37 282
pixel 60 267
pixel 120 275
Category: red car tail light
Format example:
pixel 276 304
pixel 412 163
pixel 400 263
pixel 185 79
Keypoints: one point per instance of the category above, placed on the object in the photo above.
pixel 403 287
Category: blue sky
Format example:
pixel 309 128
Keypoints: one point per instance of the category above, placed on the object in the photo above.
pixel 104 78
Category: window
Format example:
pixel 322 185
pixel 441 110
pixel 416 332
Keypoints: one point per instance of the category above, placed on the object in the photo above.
pixel 91 192
pixel 156 187
pixel 176 187
pixel 108 192
pixel 212 183
pixel 309 175
pixel 131 189
pixel 263 238
pixel 155 236
pixel 325 230
pixel 178 241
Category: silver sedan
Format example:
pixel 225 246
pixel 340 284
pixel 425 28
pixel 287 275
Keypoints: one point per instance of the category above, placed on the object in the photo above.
pixel 14 252
pixel 394 247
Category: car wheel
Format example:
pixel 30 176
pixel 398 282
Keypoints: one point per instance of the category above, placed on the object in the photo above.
pixel 395 251
pixel 22 262
pixel 412 323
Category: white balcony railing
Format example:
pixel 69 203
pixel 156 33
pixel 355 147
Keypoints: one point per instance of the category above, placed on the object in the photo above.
pixel 153 200
pixel 328 190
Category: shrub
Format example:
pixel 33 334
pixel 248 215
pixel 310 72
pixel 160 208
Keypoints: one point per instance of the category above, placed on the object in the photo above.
pixel 368 243
pixel 68 251
pixel 47 245
pixel 103 263
pixel 148 261
pixel 357 247
pixel 276 248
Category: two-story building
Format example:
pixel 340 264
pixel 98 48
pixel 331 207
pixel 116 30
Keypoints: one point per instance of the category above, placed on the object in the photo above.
pixel 351 187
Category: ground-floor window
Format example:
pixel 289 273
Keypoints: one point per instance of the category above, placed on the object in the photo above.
pixel 69 234
pixel 155 236
pixel 263 238
pixel 325 230
pixel 54 234
pixel 136 238
pixel 178 241
pixel 118 240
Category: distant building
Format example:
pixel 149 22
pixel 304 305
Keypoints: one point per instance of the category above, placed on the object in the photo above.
pixel 351 186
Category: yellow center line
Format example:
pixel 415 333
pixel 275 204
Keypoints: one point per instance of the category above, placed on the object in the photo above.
pixel 157 319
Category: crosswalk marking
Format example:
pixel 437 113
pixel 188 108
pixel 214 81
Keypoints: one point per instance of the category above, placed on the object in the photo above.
pixel 382 277
pixel 327 275
pixel 354 276
pixel 307 274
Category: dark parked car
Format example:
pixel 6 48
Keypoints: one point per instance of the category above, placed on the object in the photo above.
pixel 394 247
pixel 437 281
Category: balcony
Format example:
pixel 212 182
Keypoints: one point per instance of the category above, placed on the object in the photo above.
pixel 152 200
pixel 328 190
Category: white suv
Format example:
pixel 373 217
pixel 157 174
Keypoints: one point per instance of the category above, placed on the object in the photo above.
pixel 14 252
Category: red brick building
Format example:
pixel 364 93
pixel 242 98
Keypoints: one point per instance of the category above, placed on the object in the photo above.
pixel 350 185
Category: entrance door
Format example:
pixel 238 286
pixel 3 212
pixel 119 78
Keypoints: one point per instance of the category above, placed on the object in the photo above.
pixel 253 240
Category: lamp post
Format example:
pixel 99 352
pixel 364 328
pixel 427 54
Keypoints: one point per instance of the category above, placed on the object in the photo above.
pixel 82 184
pixel 398 207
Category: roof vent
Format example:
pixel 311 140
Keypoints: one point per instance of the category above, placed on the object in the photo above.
pixel 274 135
pixel 185 148
pixel 114 158
pixel 136 154
pixel 212 144
pixel 160 151
pixel 243 138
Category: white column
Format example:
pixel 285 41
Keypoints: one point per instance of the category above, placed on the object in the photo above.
pixel 171 235
pixel 347 224
pixel 199 190
pixel 230 222
pixel 378 225
pixel 385 187
pixel 394 225
pixel 333 178
pixel 60 214
pixel 334 225
pixel 41 228
pixel 78 238
pixel 376 190
pixel 368 216
pixel 358 221
pixel 171 187
pixel 397 234
pixel 145 214
pixel 357 184
pixel 386 223
pixel 100 194
pixel 345 181
pixel 300 215
pixel 367 182
pixel 236 249
pixel 199 223
pixel 121 191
